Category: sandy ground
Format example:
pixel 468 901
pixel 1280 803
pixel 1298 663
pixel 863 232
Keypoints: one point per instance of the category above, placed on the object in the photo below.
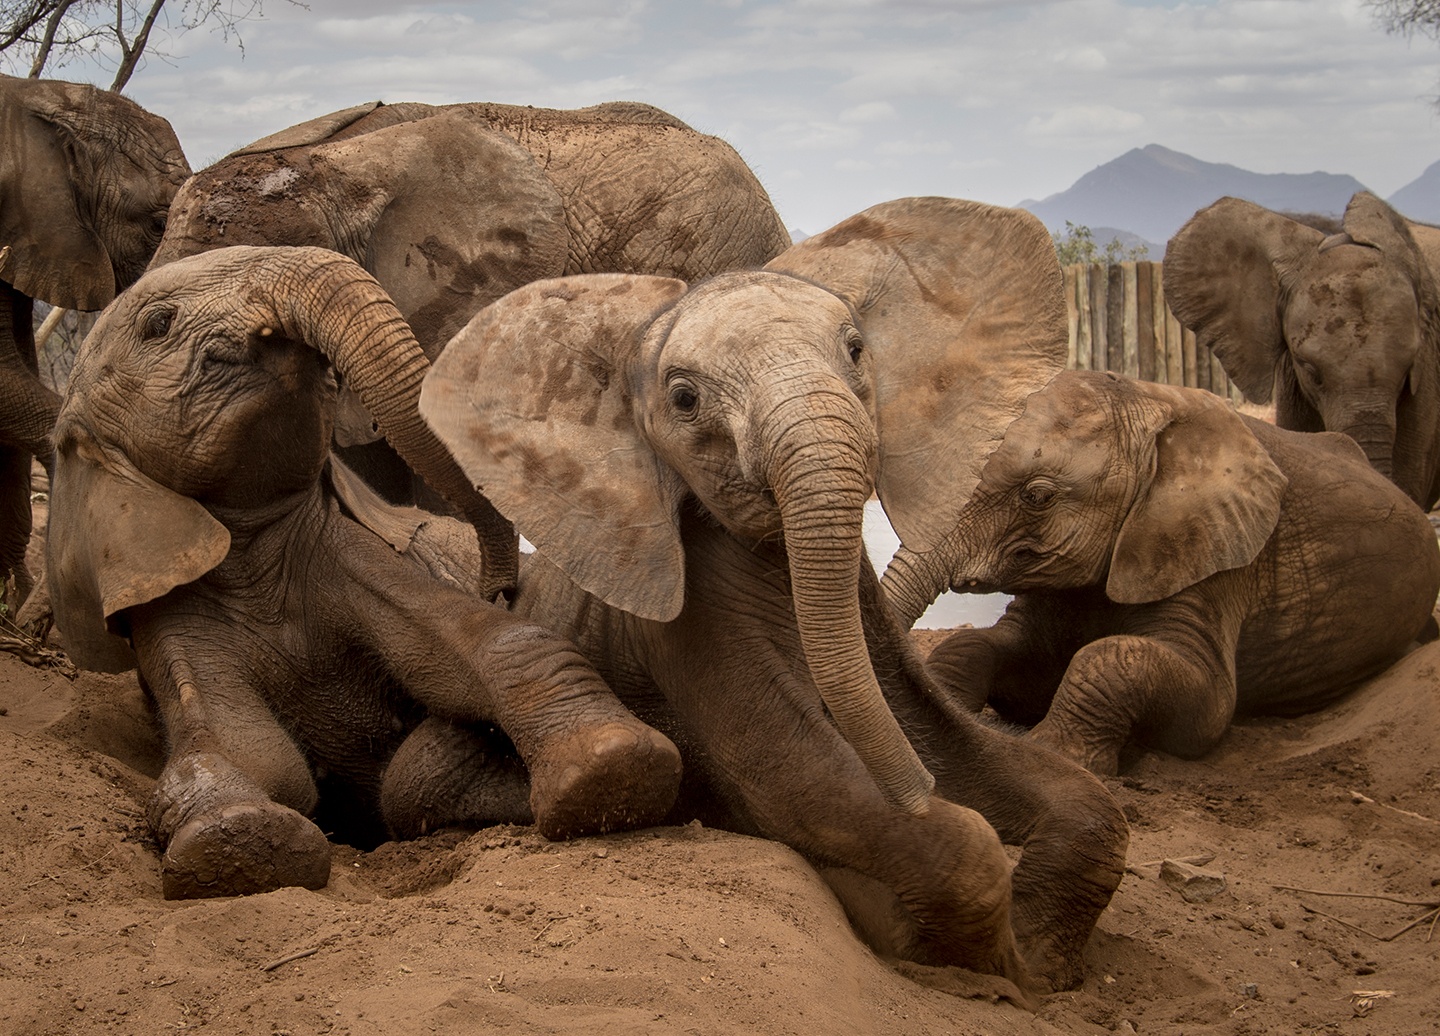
pixel 691 930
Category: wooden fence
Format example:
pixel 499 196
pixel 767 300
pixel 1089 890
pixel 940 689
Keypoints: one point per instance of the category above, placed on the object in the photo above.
pixel 1119 321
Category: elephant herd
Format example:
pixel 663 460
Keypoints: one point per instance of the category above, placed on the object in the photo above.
pixel 293 455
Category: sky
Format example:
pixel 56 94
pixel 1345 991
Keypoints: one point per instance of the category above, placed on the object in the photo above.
pixel 840 104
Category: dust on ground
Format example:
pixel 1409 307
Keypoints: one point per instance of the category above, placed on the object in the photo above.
pixel 692 930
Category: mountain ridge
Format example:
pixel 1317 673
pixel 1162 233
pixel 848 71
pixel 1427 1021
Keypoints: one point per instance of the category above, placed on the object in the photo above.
pixel 1151 191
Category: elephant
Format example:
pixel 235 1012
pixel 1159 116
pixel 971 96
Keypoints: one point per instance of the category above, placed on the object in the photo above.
pixel 451 207
pixel 692 464
pixel 1173 563
pixel 310 648
pixel 1343 330
pixel 86 179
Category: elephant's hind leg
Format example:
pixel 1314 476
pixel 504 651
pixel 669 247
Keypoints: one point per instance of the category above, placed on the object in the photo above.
pixel 1126 688
pixel 452 775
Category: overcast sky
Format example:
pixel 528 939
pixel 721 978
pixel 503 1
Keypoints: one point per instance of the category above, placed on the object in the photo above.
pixel 839 104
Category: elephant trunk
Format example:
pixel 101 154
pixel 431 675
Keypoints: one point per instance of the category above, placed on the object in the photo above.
pixel 821 472
pixel 913 580
pixel 336 307
pixel 1376 438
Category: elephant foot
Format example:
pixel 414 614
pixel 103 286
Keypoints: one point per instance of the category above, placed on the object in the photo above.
pixel 244 848
pixel 612 777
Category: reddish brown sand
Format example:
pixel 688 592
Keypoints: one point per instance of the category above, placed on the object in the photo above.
pixel 690 930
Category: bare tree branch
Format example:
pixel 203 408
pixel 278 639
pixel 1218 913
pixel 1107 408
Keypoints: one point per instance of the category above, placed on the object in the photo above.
pixel 1407 17
pixel 42 52
pixel 48 34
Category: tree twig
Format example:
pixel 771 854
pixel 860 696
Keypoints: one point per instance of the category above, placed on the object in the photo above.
pixel 297 955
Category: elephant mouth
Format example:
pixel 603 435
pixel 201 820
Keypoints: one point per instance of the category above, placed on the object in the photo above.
pixel 975 586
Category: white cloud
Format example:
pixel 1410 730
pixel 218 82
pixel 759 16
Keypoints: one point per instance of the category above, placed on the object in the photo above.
pixel 841 104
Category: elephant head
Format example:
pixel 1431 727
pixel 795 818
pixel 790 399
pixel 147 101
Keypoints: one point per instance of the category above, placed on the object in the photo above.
pixel 86 180
pixel 1143 489
pixel 445 212
pixel 201 409
pixel 873 357
pixel 1343 330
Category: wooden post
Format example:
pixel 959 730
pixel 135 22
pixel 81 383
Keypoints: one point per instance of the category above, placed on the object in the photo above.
pixel 1164 369
pixel 1115 319
pixel 1099 315
pixel 1192 364
pixel 1084 339
pixel 1072 316
pixel 1129 319
pixel 1145 323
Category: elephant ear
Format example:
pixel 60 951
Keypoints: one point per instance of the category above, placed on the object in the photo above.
pixel 533 398
pixel 1212 501
pixel 457 216
pixel 312 131
pixel 1226 271
pixel 117 539
pixel 962 307
pixel 55 255
pixel 1370 221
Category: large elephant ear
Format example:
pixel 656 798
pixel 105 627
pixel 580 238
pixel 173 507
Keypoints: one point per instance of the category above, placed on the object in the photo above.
pixel 312 131
pixel 459 216
pixel 533 398
pixel 117 539
pixel 962 307
pixel 1226 271
pixel 55 255
pixel 1212 501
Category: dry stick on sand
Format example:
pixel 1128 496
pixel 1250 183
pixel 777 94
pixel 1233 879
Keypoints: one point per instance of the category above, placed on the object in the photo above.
pixel 1432 910
pixel 1357 797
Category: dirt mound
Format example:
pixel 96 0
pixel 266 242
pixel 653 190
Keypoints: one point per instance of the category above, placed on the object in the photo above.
pixel 693 930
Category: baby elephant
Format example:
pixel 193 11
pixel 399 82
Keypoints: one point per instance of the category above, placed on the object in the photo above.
pixel 310 649
pixel 1173 563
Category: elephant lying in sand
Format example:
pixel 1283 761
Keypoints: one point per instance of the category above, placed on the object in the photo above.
pixel 693 463
pixel 1173 563
pixel 451 207
pixel 86 178
pixel 307 646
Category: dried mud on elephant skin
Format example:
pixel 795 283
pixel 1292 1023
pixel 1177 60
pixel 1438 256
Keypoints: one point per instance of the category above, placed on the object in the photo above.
pixel 502 928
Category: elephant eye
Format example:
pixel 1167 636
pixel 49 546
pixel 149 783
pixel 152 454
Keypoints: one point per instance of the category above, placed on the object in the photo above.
pixel 157 324
pixel 683 399
pixel 855 345
pixel 1037 492
pixel 1311 372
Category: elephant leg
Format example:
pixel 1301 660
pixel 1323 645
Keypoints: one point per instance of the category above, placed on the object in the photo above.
pixel 228 807
pixel 1125 688
pixel 15 523
pixel 1072 834
pixel 593 765
pixel 448 775
pixel 938 884
pixel 1013 666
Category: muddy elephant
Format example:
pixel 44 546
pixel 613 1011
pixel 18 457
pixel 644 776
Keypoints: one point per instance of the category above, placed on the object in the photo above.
pixel 451 207
pixel 1343 330
pixel 692 464
pixel 311 649
pixel 86 178
pixel 1174 563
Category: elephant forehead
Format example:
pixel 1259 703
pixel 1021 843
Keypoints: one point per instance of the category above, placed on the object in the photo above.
pixel 751 312
pixel 1068 423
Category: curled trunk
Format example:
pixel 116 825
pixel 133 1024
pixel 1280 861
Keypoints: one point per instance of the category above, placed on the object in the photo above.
pixel 333 305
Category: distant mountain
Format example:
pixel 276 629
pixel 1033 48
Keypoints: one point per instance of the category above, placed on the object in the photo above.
pixel 1420 198
pixel 1152 191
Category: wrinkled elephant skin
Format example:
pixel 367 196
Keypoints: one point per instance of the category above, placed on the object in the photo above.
pixel 316 655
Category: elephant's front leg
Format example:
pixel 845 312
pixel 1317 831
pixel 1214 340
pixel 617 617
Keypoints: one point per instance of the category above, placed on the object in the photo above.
pixel 592 765
pixel 1123 688
pixel 228 809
